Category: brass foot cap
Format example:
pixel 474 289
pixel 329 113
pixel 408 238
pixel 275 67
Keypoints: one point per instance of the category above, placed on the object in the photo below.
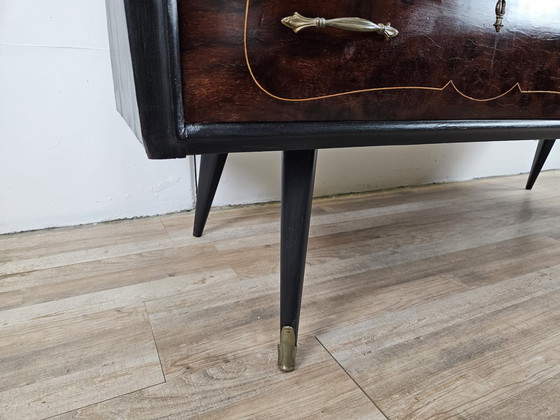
pixel 287 349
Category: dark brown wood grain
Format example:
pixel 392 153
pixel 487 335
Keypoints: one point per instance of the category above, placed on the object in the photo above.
pixel 438 42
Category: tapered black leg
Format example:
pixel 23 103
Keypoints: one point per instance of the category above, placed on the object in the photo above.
pixel 543 149
pixel 211 167
pixel 298 175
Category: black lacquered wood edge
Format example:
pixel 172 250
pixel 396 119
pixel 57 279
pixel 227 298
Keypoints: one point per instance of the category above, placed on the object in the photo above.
pixel 154 44
pixel 229 138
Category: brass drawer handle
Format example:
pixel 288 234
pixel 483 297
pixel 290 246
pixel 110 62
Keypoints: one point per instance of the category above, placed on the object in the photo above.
pixel 298 22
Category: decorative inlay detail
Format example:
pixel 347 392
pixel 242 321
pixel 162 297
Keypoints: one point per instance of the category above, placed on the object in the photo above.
pixel 450 83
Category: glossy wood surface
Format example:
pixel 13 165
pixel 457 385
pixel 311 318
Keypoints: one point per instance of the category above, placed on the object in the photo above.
pixel 448 62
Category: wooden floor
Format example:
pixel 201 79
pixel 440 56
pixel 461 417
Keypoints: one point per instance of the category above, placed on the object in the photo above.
pixel 433 302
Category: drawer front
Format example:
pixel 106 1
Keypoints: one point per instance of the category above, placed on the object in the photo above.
pixel 240 63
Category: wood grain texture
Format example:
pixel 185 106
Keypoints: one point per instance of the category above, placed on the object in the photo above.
pixel 431 302
pixel 73 280
pixel 449 53
pixel 51 367
pixel 241 316
pixel 241 386
pixel 457 356
pixel 55 248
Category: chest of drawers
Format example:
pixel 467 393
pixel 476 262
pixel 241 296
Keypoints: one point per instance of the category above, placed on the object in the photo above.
pixel 220 76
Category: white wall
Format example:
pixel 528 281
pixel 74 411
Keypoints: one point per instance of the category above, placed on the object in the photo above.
pixel 67 158
pixel 371 168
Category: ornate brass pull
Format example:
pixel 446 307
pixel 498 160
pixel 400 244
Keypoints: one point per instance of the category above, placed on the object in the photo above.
pixel 298 22
pixel 500 13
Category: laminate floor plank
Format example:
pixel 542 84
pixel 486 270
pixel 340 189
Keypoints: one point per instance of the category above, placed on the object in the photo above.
pixel 265 232
pixel 429 302
pixel 136 294
pixel 83 278
pixel 56 241
pixel 392 229
pixel 345 288
pixel 30 251
pixel 230 222
pixel 53 367
pixel 238 318
pixel 242 387
pixel 539 401
pixel 406 241
pixel 398 232
pixel 416 249
pixel 469 191
pixel 374 217
pixel 402 196
pixel 494 261
pixel 457 356
pixel 327 224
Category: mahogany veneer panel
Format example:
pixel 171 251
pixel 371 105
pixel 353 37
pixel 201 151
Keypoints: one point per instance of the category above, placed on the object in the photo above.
pixel 448 62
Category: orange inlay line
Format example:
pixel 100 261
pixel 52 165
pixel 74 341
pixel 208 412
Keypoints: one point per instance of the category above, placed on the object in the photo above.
pixel 351 92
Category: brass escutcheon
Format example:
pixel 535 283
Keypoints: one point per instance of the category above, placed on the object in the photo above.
pixel 500 13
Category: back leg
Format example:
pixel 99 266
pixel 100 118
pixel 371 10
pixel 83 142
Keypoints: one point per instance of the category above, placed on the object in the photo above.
pixel 543 150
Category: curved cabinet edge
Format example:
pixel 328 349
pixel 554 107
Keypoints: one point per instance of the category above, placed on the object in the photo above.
pixel 146 73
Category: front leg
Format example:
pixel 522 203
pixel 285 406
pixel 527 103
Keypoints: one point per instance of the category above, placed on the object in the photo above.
pixel 298 175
